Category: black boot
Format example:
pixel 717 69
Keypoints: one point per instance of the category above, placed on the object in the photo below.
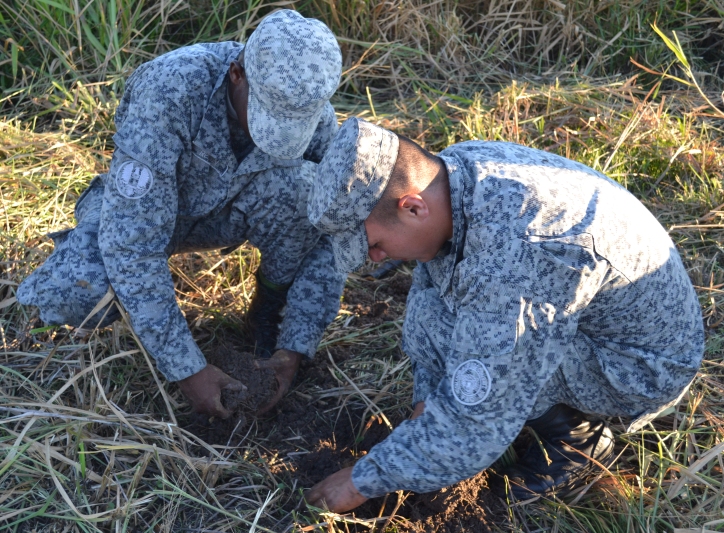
pixel 554 463
pixel 265 315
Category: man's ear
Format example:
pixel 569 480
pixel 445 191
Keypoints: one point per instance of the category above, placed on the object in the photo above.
pixel 413 205
pixel 236 72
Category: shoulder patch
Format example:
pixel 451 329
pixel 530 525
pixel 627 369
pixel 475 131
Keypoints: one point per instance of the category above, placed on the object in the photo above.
pixel 134 180
pixel 471 382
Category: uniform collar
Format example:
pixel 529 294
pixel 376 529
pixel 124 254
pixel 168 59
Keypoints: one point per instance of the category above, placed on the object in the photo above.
pixel 456 178
pixel 442 266
pixel 213 138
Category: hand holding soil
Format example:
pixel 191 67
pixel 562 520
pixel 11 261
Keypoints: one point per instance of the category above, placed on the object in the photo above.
pixel 284 364
pixel 337 493
pixel 203 390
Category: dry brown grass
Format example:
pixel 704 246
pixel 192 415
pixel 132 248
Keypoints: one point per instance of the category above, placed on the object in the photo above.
pixel 89 439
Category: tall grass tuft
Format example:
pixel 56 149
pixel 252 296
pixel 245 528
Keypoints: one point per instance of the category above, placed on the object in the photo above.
pixel 89 440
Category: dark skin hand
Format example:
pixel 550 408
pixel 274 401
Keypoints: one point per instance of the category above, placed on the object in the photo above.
pixel 285 364
pixel 203 390
pixel 337 493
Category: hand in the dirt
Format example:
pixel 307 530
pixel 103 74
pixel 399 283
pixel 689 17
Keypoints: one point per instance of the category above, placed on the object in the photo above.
pixel 336 493
pixel 285 364
pixel 203 390
pixel 418 410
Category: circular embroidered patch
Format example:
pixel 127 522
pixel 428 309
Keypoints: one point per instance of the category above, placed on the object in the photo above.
pixel 471 382
pixel 134 180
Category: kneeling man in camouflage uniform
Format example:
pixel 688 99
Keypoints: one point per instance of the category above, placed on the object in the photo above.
pixel 545 295
pixel 216 144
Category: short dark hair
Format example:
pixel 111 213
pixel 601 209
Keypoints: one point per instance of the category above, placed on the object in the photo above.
pixel 411 160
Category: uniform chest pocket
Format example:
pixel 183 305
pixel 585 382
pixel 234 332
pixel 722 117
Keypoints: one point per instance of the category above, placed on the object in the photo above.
pixel 202 184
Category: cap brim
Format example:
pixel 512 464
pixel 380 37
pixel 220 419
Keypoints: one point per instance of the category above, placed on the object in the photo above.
pixel 278 135
pixel 350 250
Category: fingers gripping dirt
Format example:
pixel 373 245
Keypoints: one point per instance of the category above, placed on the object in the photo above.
pixel 252 386
pixel 337 493
pixel 260 383
pixel 205 388
pixel 284 364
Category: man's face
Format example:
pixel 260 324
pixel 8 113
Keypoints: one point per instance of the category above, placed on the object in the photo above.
pixel 406 240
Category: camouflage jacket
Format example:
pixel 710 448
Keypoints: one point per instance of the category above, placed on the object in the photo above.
pixel 546 253
pixel 179 164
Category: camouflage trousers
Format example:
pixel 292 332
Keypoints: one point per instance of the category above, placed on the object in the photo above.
pixel 73 279
pixel 428 337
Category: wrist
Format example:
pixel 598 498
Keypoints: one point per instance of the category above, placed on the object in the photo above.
pixel 366 476
pixel 291 355
pixel 190 379
pixel 191 366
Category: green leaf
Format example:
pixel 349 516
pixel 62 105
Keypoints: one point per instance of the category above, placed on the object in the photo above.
pixel 93 40
pixel 14 58
pixel 56 5
pixel 674 47
pixel 81 456
pixel 42 330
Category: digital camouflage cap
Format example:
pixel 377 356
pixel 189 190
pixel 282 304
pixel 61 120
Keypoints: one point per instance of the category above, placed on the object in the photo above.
pixel 293 65
pixel 350 180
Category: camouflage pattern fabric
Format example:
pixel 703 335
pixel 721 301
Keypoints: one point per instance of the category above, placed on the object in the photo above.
pixel 185 177
pixel 350 181
pixel 557 286
pixel 73 279
pixel 293 66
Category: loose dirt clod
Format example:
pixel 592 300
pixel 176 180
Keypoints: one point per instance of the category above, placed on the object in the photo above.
pixel 261 386
pixel 458 508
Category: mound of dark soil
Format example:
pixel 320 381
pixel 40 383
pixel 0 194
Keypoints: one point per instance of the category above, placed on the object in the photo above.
pixel 308 438
pixel 462 508
pixel 376 301
pixel 261 385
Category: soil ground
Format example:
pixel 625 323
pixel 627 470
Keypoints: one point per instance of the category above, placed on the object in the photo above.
pixel 306 440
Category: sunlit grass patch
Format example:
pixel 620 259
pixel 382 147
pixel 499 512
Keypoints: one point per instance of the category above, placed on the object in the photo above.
pixel 89 432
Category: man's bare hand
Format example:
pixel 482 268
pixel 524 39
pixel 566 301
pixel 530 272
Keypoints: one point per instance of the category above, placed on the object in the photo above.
pixel 418 410
pixel 336 493
pixel 285 364
pixel 203 390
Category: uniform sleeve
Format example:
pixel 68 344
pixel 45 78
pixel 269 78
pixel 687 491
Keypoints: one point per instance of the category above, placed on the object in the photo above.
pixel 293 252
pixel 137 221
pixel 323 135
pixel 426 370
pixel 425 381
pixel 511 331
pixel 312 300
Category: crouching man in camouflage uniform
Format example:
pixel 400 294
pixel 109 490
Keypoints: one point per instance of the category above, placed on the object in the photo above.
pixel 545 295
pixel 216 144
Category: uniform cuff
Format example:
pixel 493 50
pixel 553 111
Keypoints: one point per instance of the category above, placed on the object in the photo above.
pixel 367 478
pixel 293 338
pixel 193 362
